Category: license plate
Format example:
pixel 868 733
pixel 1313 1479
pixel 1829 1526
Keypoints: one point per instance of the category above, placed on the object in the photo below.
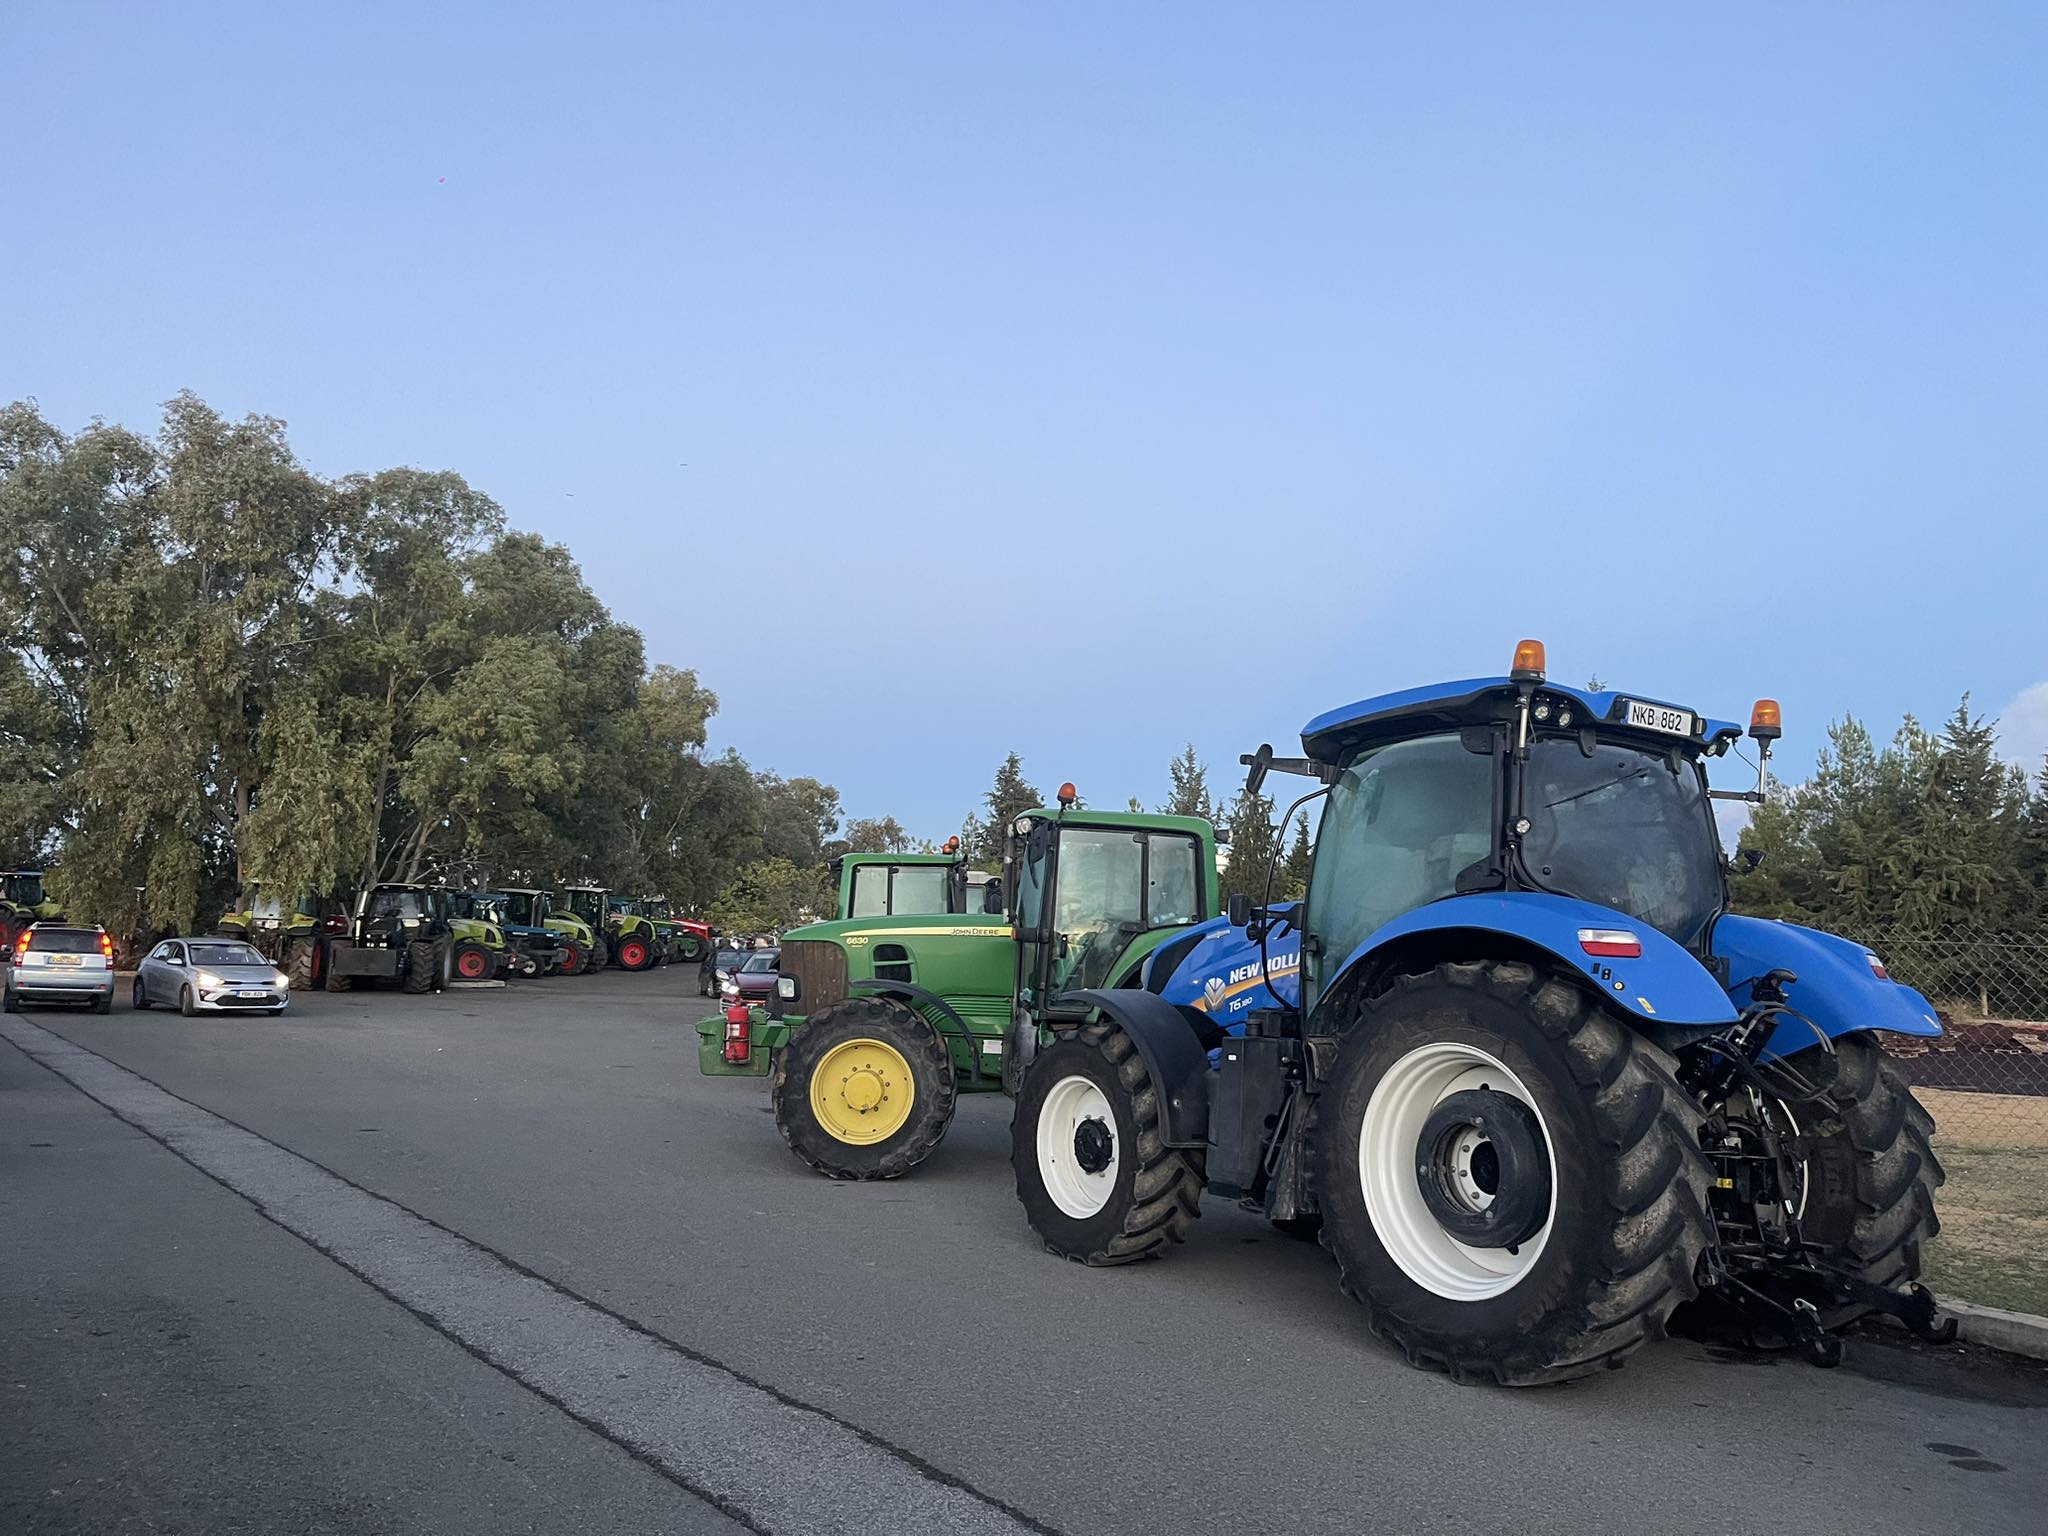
pixel 67 959
pixel 1657 717
pixel 250 992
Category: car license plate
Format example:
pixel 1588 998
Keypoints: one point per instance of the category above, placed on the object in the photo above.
pixel 67 959
pixel 1658 717
pixel 250 992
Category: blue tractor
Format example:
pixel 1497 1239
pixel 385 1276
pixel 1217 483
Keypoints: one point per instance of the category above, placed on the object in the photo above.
pixel 1513 1060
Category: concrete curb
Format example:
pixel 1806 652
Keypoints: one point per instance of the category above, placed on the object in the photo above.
pixel 2016 1333
pixel 473 986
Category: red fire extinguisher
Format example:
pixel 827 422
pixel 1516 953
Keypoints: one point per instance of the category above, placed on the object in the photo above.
pixel 739 1045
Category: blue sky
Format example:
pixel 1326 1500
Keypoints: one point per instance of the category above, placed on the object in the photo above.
pixel 1085 379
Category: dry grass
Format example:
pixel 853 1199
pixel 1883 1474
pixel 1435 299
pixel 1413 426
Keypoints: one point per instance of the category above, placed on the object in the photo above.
pixel 1993 1246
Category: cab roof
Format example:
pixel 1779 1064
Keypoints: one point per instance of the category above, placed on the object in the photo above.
pixel 1472 701
pixel 1137 821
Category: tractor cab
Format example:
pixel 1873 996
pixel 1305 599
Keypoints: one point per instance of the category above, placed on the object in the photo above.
pixel 884 884
pixel 25 899
pixel 1096 892
pixel 592 903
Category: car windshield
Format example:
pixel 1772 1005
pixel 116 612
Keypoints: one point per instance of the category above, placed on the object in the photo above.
pixel 765 961
pixel 226 954
pixel 64 941
pixel 1625 829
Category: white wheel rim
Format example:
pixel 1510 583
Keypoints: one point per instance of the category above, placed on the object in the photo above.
pixel 1072 1103
pixel 1387 1140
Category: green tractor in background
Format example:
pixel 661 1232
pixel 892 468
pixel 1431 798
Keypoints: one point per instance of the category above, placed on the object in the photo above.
pixel 622 937
pixel 482 947
pixel 886 884
pixel 529 908
pixel 293 933
pixel 684 939
pixel 25 898
pixel 881 1021
pixel 534 951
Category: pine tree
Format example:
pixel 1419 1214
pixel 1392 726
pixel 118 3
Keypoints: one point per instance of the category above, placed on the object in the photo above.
pixel 1252 840
pixel 1292 882
pixel 1190 795
pixel 1008 798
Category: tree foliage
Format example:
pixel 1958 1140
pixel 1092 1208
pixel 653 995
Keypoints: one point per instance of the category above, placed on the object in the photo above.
pixel 218 666
pixel 1189 795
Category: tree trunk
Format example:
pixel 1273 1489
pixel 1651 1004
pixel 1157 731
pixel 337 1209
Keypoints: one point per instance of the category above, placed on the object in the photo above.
pixel 370 863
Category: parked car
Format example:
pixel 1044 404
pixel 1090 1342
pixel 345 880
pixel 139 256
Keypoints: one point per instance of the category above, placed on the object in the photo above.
pixel 755 980
pixel 210 976
pixel 60 963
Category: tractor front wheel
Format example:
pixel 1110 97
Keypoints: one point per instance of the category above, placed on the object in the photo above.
pixel 864 1090
pixel 1097 1182
pixel 299 962
pixel 422 966
pixel 571 963
pixel 634 955
pixel 1510 1177
pixel 473 962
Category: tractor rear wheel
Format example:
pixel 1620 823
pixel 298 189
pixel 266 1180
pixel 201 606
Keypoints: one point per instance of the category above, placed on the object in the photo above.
pixel 1867 1193
pixel 298 963
pixel 473 962
pixel 1510 1177
pixel 864 1090
pixel 1097 1182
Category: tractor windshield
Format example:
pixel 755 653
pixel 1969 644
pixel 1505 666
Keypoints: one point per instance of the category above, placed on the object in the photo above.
pixel 588 905
pixel 526 909
pixel 1624 828
pixel 25 888
pixel 264 904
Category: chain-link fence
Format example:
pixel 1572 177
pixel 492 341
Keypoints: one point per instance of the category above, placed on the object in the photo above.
pixel 1986 1083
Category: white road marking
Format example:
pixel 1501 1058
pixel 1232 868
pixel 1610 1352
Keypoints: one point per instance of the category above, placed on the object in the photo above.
pixel 778 1465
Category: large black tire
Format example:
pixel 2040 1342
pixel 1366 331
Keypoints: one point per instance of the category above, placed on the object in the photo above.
pixel 932 1087
pixel 1628 1220
pixel 600 953
pixel 1149 1192
pixel 298 963
pixel 1871 1166
pixel 422 966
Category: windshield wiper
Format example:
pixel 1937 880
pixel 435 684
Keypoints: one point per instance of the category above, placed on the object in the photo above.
pixel 1610 784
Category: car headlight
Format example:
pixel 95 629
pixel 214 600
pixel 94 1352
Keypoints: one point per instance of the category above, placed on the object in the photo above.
pixel 279 980
pixel 727 985
pixel 785 988
pixel 208 979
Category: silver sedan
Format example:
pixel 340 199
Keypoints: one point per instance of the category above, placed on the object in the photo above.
pixel 210 976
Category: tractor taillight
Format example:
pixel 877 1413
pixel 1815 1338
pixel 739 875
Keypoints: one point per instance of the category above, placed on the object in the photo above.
pixel 1876 966
pixel 1610 943
pixel 739 1043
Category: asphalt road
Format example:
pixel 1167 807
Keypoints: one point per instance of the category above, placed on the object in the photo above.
pixel 502 1260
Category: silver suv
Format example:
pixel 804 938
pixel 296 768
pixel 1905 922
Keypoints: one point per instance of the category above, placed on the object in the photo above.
pixel 60 963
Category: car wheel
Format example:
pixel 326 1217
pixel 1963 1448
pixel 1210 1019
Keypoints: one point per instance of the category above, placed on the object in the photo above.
pixel 104 1003
pixel 141 998
pixel 185 1003
pixel 8 1004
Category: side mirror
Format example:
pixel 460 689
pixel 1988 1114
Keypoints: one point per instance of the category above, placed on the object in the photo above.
pixel 1750 858
pixel 1258 762
pixel 992 896
pixel 1238 909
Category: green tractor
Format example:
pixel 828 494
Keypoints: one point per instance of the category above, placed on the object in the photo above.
pixel 293 934
pixel 483 948
pixel 25 898
pixel 884 884
pixel 881 1020
pixel 401 933
pixel 684 939
pixel 578 942
pixel 623 937
pixel 535 951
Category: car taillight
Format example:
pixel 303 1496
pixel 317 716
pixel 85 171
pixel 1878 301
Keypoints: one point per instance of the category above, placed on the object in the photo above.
pixel 20 948
pixel 739 1044
pixel 107 946
pixel 1610 943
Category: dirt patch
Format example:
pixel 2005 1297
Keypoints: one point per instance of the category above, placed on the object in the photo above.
pixel 1986 1120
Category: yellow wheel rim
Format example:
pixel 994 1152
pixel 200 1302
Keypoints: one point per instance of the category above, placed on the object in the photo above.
pixel 861 1092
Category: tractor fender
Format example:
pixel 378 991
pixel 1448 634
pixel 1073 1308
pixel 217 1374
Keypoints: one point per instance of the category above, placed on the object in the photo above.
pixel 1663 986
pixel 921 997
pixel 1171 1041
pixel 1837 988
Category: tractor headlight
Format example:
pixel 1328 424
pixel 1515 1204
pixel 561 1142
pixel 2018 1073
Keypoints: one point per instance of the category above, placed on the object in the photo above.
pixel 786 988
